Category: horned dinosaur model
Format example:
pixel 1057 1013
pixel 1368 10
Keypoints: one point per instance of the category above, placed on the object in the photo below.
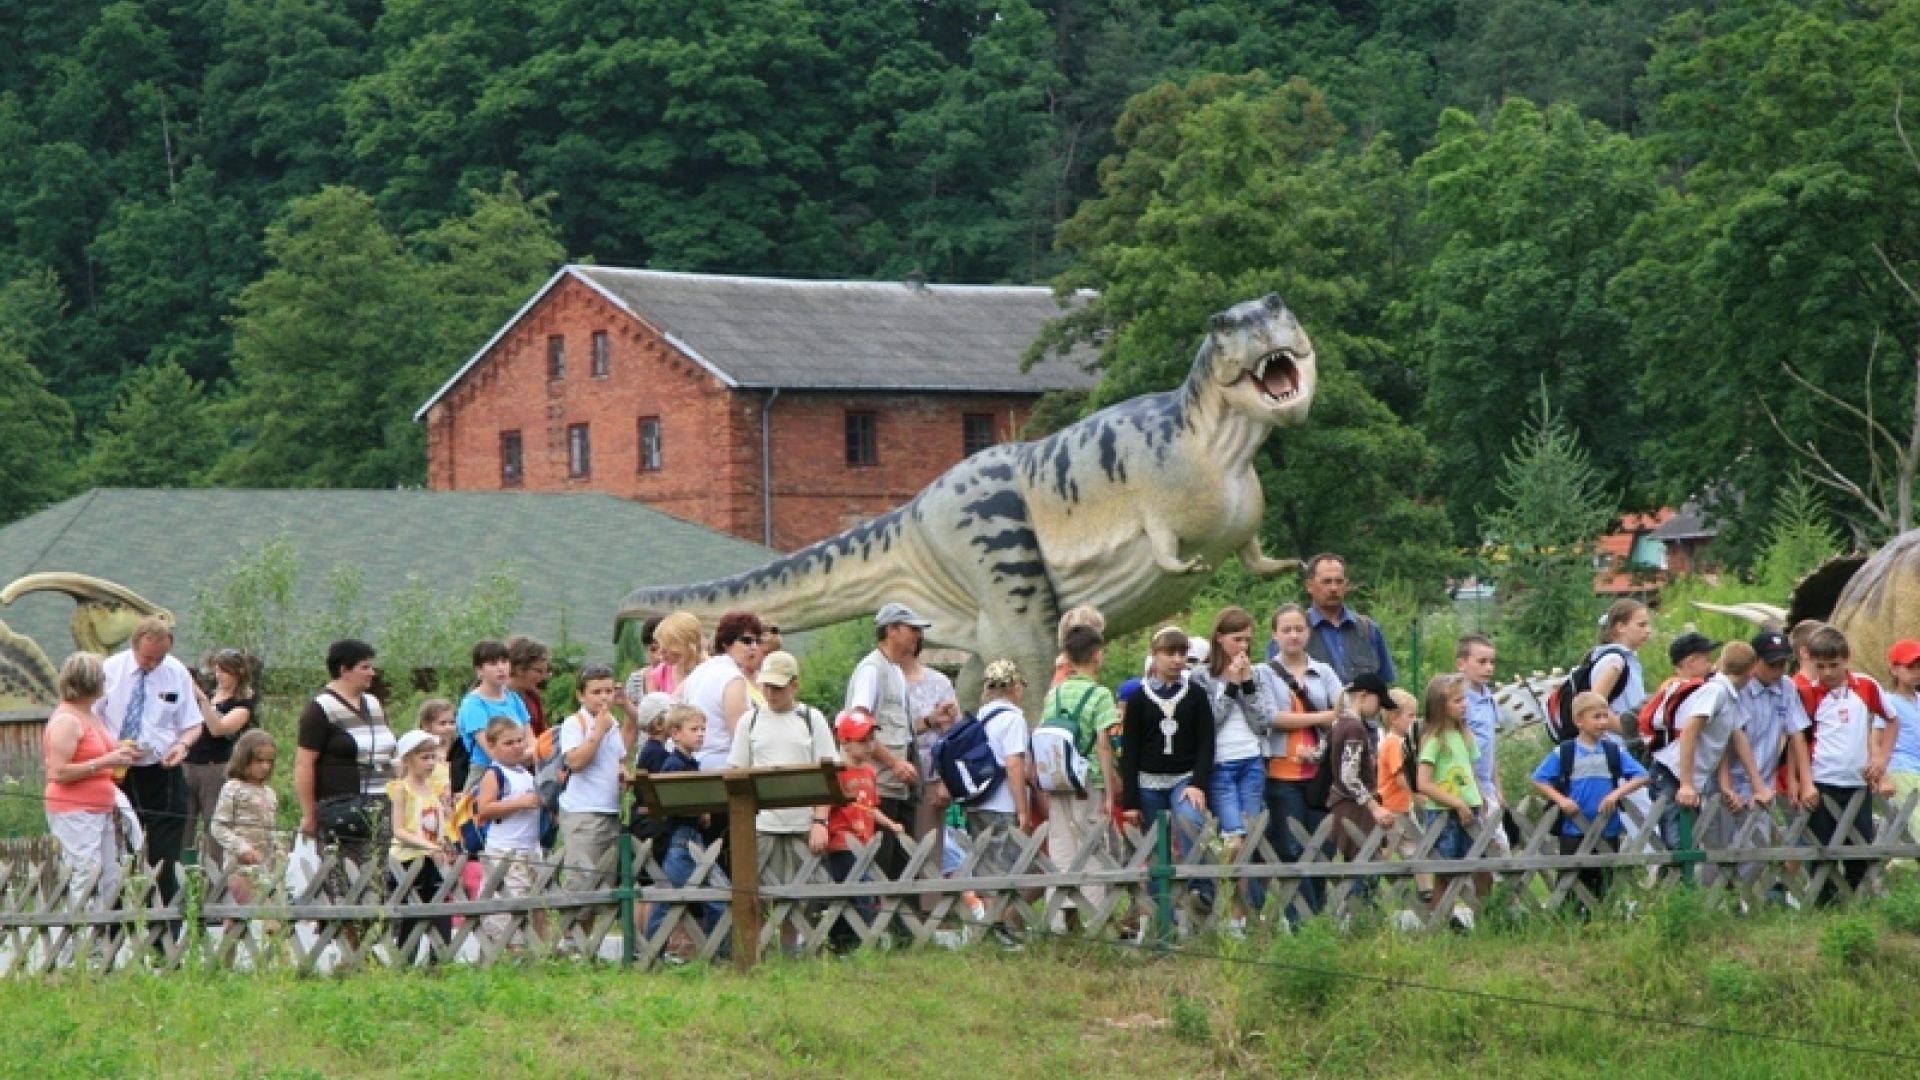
pixel 1875 601
pixel 102 622
pixel 1126 510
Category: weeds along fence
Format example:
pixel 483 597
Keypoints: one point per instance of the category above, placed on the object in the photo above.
pixel 1131 883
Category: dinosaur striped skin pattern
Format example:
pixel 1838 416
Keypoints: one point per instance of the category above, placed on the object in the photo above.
pixel 1128 510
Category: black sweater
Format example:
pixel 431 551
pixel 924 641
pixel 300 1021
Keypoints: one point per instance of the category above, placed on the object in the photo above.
pixel 1143 747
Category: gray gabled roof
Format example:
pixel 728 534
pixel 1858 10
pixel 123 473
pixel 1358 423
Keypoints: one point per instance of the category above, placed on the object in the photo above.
pixel 763 333
pixel 1687 523
pixel 574 555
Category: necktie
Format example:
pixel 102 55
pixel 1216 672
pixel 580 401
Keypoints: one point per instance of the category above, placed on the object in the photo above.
pixel 136 708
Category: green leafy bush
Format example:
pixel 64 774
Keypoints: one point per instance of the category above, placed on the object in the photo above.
pixel 1191 1023
pixel 1304 968
pixel 1850 940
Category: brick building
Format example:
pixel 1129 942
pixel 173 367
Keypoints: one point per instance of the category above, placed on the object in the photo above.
pixel 779 411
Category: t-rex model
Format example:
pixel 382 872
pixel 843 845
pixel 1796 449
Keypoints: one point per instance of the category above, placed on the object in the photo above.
pixel 1126 510
pixel 1874 601
pixel 103 621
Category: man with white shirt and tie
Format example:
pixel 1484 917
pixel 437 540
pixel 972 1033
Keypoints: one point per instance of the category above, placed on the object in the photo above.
pixel 153 702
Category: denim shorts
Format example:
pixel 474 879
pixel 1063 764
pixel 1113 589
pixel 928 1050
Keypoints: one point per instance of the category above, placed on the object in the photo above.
pixel 1454 841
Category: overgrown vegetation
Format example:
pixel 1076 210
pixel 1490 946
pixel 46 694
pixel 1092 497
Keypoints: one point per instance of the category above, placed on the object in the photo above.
pixel 1558 999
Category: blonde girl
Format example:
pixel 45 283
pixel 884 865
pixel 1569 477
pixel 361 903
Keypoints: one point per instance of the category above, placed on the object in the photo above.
pixel 1447 754
pixel 422 810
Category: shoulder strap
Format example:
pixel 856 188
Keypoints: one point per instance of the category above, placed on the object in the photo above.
pixel 1615 768
pixel 1293 684
pixel 1564 783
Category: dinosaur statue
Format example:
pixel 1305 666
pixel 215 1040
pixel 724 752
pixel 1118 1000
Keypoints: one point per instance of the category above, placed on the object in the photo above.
pixel 1126 510
pixel 1875 601
pixel 102 622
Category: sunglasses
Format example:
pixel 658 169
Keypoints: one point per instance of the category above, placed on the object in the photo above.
pixel 748 639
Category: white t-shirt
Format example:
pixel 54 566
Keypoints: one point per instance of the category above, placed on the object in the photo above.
pixel 706 689
pixel 520 830
pixel 596 788
pixel 1234 739
pixel 800 737
pixel 1716 708
pixel 1007 734
pixel 1630 687
pixel 1842 737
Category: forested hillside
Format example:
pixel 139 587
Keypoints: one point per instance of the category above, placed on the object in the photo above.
pixel 240 240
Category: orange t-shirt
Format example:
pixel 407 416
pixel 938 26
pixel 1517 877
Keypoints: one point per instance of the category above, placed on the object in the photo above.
pixel 1395 795
pixel 1287 764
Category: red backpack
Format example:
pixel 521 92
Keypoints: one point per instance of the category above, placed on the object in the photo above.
pixel 1657 715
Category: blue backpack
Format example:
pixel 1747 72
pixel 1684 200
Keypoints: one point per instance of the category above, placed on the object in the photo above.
pixel 964 759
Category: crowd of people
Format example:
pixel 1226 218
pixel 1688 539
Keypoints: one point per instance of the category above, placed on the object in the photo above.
pixel 1206 734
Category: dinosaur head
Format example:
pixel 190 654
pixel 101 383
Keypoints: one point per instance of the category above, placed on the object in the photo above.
pixel 106 612
pixel 1258 359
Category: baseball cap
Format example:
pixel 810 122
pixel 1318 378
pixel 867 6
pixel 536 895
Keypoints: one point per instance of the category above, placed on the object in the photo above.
pixel 1904 652
pixel 1370 682
pixel 779 669
pixel 1771 646
pixel 411 741
pixel 1689 643
pixel 852 727
pixel 896 612
pixel 1199 650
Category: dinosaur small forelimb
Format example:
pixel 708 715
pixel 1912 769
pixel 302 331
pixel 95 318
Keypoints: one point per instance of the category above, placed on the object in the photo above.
pixel 1259 565
pixel 1166 552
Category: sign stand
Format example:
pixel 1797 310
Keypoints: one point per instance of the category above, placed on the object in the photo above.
pixel 741 794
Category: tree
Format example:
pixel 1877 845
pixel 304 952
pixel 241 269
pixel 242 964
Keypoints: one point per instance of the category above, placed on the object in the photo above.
pixel 34 456
pixel 328 348
pixel 1554 506
pixel 161 432
pixel 1528 214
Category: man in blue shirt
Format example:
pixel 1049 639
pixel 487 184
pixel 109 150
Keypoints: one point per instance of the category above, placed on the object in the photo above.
pixel 1338 636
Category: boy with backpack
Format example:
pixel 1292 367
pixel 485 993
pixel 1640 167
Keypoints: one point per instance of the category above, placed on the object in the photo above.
pixel 1710 725
pixel 1692 657
pixel 1851 746
pixel 1587 778
pixel 1073 759
pixel 983 763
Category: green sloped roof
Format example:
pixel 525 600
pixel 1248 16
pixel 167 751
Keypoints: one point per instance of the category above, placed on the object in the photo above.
pixel 575 555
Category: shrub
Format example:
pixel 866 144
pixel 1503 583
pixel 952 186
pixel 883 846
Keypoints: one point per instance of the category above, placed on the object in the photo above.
pixel 1901 907
pixel 1849 940
pixel 1304 968
pixel 1678 916
pixel 1191 1023
pixel 1730 982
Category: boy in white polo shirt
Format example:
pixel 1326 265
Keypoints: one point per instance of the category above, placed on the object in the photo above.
pixel 1852 740
pixel 1711 725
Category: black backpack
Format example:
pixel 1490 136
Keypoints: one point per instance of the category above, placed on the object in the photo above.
pixel 1563 781
pixel 1560 703
pixel 1410 765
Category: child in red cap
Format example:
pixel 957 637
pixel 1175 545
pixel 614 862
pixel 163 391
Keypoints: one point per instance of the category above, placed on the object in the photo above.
pixel 1903 702
pixel 855 820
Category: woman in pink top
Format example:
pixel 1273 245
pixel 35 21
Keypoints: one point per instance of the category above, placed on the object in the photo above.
pixel 80 760
pixel 678 636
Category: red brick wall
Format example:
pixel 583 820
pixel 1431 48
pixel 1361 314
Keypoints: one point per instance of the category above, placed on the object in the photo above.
pixel 710 435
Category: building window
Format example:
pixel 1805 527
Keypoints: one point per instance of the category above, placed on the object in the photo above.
pixel 512 472
pixel 556 358
pixel 976 433
pixel 602 354
pixel 579 453
pixel 649 444
pixel 863 446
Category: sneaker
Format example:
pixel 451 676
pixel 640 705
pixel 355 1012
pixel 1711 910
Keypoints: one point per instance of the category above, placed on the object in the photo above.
pixel 949 939
pixel 1005 938
pixel 1236 929
pixel 976 911
pixel 1408 922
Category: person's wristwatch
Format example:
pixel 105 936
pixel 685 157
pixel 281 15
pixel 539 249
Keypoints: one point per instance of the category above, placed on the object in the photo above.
pixel 820 821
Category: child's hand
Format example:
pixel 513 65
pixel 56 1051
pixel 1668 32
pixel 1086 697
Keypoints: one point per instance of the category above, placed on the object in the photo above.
pixel 1382 816
pixel 1607 804
pixel 1569 807
pixel 250 857
pixel 1762 796
pixel 1688 797
pixel 1465 814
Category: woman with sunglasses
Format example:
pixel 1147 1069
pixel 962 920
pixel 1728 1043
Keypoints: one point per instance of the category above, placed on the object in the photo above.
pixel 720 686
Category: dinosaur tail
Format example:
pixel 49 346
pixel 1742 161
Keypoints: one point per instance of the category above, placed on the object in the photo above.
pixel 836 579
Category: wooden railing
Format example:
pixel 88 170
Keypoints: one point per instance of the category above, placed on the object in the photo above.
pixel 346 917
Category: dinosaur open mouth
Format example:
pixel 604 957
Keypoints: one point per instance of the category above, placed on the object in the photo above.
pixel 1278 377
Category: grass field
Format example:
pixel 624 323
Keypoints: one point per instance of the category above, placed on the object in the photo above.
pixel 1316 1003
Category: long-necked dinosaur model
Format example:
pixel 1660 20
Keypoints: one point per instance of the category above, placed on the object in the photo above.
pixel 1126 510
pixel 103 620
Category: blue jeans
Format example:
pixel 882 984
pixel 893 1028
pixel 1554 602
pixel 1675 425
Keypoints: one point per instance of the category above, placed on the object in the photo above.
pixel 1665 785
pixel 1152 805
pixel 678 866
pixel 1287 801
pixel 1454 841
pixel 1236 793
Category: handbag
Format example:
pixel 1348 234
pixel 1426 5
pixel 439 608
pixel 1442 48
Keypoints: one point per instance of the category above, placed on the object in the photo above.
pixel 353 816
